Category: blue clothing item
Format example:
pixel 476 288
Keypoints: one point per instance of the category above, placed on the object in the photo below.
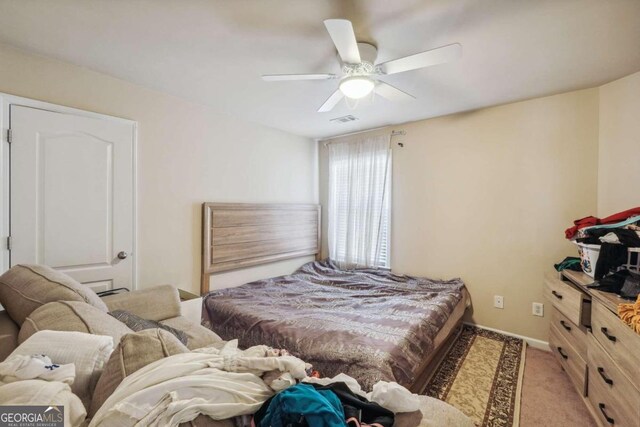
pixel 320 408
pixel 616 225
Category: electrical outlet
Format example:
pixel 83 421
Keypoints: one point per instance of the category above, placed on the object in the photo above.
pixel 498 301
pixel 537 308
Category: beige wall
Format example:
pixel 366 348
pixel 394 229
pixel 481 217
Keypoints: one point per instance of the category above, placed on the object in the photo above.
pixel 486 196
pixel 619 145
pixel 187 154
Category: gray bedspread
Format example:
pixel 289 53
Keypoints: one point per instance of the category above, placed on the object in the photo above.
pixel 372 325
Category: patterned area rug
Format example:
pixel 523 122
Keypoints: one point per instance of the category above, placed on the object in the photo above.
pixel 482 376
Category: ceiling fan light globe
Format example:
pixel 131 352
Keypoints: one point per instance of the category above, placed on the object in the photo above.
pixel 356 87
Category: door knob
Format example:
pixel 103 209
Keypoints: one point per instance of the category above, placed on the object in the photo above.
pixel 122 255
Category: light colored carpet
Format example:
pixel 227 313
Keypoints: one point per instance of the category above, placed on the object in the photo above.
pixel 548 397
pixel 482 377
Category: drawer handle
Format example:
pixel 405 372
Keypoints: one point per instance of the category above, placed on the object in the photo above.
pixel 564 325
pixel 607 334
pixel 606 417
pixel 562 353
pixel 557 295
pixel 604 377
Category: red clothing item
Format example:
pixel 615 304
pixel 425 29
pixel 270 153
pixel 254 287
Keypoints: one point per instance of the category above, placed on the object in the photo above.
pixel 620 216
pixel 591 221
pixel 581 223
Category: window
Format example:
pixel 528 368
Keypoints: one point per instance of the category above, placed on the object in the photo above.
pixel 360 202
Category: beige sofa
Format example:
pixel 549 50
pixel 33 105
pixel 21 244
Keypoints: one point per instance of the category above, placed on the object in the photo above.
pixel 39 298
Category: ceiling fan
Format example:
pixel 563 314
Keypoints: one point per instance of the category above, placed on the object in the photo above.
pixel 360 73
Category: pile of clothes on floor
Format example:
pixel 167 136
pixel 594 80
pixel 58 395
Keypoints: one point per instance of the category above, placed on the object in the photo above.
pixel 335 401
pixel 255 387
pixel 215 386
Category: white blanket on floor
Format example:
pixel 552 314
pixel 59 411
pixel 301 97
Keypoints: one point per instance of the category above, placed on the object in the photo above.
pixel 219 383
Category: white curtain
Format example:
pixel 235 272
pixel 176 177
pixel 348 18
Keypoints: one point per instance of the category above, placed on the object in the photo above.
pixel 359 201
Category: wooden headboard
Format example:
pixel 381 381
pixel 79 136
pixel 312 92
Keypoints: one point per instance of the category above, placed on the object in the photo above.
pixel 240 235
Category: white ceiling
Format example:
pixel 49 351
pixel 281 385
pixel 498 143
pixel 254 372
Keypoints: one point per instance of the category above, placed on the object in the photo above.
pixel 214 51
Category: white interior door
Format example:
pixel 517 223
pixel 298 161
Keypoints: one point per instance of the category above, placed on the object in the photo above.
pixel 72 195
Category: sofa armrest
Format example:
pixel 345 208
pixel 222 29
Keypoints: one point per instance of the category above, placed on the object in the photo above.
pixel 158 303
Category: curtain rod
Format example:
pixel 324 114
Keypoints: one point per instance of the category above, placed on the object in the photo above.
pixel 393 133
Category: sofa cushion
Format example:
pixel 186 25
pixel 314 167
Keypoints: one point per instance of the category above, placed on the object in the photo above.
pixel 89 353
pixel 198 336
pixel 24 288
pixel 8 335
pixel 156 303
pixel 136 323
pixel 135 351
pixel 72 316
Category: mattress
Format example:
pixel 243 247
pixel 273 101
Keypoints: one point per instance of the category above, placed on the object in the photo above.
pixel 370 324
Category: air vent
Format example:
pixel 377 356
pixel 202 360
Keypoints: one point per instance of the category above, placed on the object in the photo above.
pixel 344 119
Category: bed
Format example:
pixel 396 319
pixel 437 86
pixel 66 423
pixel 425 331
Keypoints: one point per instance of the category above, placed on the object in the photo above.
pixel 370 324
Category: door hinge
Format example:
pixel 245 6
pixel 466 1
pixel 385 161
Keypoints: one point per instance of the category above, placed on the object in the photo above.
pixel 9 242
pixel 9 136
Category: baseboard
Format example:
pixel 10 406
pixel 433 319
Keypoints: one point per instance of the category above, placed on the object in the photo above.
pixel 539 344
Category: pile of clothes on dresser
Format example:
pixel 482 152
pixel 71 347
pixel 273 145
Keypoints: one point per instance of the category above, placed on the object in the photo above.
pixel 617 268
pixel 583 225
pixel 614 234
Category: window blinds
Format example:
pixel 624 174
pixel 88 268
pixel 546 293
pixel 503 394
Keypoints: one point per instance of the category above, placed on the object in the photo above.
pixel 360 201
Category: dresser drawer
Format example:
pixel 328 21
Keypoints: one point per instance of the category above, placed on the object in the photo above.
pixel 608 411
pixel 618 340
pixel 574 365
pixel 612 387
pixel 574 334
pixel 567 299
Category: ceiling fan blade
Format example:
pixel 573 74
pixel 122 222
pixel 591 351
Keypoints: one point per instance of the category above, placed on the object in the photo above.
pixel 431 57
pixel 331 102
pixel 286 77
pixel 392 93
pixel 343 36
